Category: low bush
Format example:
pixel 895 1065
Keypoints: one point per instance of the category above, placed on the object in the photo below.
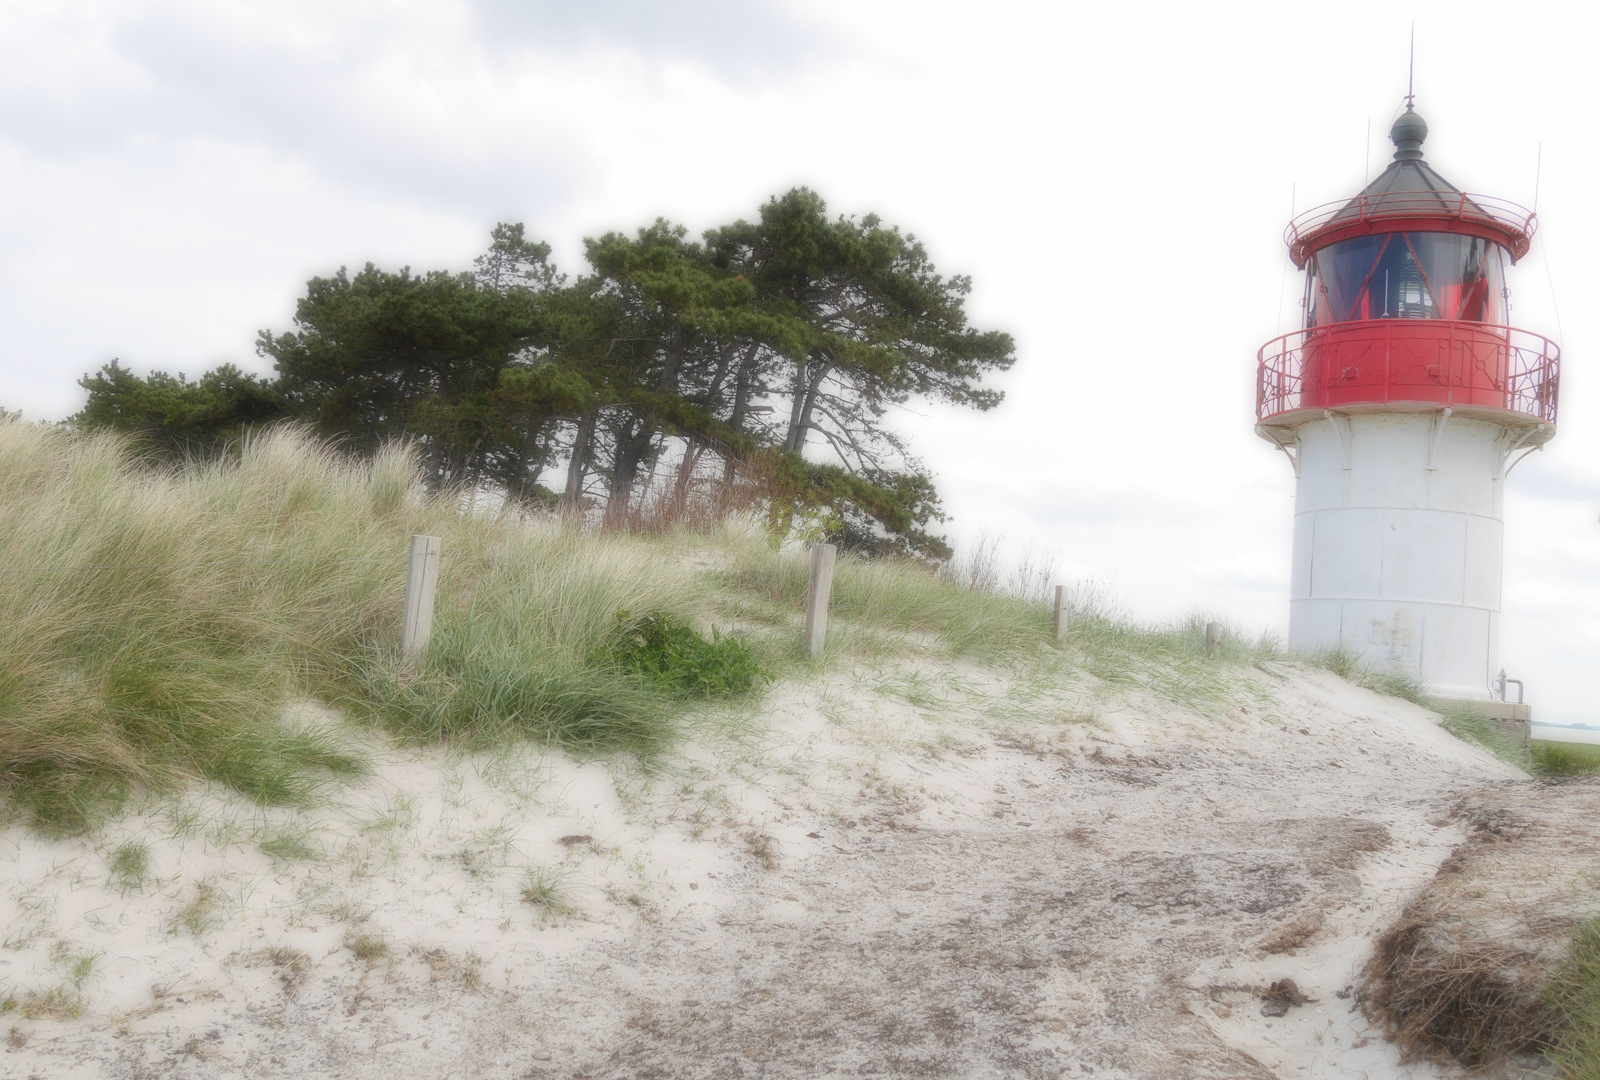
pixel 670 653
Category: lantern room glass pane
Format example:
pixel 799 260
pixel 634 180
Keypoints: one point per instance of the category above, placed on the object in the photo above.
pixel 1418 275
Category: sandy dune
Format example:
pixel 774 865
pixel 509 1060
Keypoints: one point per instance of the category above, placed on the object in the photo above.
pixel 894 872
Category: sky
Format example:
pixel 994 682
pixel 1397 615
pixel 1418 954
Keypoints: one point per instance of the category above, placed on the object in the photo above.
pixel 1114 178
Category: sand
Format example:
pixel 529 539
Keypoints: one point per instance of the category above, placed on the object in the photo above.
pixel 926 870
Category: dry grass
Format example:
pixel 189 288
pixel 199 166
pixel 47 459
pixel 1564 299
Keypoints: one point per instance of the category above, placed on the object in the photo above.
pixel 1443 994
pixel 1500 955
pixel 368 948
pixel 1574 994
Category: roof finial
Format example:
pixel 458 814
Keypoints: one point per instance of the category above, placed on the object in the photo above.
pixel 1411 70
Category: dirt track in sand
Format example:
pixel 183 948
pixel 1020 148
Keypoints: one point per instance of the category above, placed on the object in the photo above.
pixel 1111 904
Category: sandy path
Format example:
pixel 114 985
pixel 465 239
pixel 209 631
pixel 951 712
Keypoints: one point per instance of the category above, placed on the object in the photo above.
pixel 1107 904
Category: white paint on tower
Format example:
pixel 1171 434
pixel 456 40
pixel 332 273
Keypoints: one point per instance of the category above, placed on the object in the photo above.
pixel 1397 544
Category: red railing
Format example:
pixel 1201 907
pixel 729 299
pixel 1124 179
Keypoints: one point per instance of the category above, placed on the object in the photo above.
pixel 1364 212
pixel 1423 361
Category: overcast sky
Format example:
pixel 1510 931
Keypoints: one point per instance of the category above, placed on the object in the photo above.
pixel 1115 178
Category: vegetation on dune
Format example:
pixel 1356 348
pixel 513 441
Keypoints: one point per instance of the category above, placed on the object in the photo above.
pixel 660 648
pixel 1557 759
pixel 1574 999
pixel 155 622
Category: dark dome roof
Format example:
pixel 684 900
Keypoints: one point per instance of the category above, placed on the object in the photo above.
pixel 1406 194
pixel 1409 185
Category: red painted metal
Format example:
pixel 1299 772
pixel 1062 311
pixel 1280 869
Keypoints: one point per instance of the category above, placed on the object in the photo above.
pixel 1499 220
pixel 1409 361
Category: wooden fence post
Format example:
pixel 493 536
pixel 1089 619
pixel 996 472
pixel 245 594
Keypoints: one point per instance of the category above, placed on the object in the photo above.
pixel 818 593
pixel 422 584
pixel 1213 639
pixel 1059 616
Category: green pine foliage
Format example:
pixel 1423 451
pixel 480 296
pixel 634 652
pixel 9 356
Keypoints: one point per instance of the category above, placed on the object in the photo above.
pixel 175 416
pixel 773 349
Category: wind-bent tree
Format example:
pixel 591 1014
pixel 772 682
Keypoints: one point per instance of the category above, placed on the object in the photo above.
pixel 681 315
pixel 871 323
pixel 775 348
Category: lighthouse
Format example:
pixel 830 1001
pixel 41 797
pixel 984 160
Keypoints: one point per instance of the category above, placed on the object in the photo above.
pixel 1402 402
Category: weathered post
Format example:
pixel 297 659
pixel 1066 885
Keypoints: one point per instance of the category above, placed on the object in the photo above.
pixel 817 595
pixel 1058 614
pixel 422 584
pixel 1213 639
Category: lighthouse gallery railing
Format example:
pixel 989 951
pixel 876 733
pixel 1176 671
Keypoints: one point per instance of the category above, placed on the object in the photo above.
pixel 1429 361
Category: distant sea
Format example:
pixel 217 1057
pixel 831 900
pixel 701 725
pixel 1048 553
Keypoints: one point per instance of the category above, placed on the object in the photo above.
pixel 1572 733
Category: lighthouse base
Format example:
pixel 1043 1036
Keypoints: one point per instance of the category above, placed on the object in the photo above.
pixel 1397 546
pixel 1449 648
pixel 1512 719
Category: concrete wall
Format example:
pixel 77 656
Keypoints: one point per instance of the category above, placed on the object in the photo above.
pixel 1397 561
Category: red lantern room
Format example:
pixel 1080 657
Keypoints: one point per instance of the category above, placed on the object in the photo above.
pixel 1405 307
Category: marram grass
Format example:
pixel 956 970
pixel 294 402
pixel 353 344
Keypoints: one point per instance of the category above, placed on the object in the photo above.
pixel 1574 996
pixel 157 623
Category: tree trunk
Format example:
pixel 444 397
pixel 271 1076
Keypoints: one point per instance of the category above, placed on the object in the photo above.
pixel 741 402
pixel 578 467
pixel 741 388
pixel 797 401
pixel 686 468
pixel 633 439
pixel 742 380
pixel 803 409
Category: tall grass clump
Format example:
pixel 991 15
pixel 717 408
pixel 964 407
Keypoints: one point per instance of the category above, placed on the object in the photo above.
pixel 155 621
pixel 523 648
pixel 1574 997
pixel 1572 759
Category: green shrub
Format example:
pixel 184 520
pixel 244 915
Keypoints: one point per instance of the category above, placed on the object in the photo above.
pixel 670 653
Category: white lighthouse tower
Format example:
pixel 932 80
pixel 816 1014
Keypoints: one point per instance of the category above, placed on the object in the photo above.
pixel 1402 403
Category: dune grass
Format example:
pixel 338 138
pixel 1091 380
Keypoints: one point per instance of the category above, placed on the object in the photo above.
pixel 1565 759
pixel 156 623
pixel 898 595
pixel 1575 998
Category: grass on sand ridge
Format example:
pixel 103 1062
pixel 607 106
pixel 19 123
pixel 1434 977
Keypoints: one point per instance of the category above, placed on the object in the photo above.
pixel 155 622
